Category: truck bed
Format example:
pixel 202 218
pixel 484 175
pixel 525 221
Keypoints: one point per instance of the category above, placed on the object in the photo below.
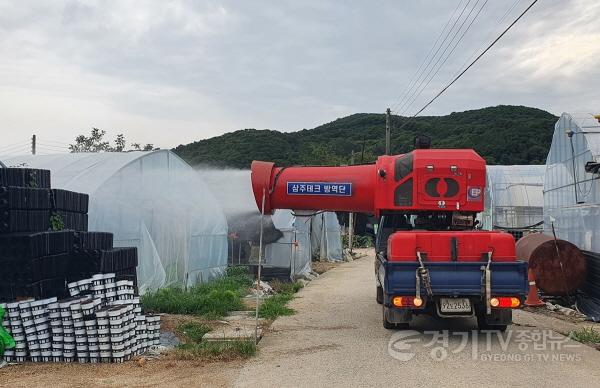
pixel 454 278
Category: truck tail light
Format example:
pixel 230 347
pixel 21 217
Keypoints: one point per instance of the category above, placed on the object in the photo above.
pixel 408 301
pixel 505 302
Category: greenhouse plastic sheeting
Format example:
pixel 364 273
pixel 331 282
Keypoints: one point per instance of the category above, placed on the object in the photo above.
pixel 572 195
pixel 514 197
pixel 293 250
pixel 326 237
pixel 238 198
pixel 151 200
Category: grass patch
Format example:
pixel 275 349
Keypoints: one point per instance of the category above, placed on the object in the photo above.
pixel 286 287
pixel 213 299
pixel 195 348
pixel 193 331
pixel 587 335
pixel 216 350
pixel 358 241
pixel 275 306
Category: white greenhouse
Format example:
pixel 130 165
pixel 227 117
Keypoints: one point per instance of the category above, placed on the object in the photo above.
pixel 312 235
pixel 304 237
pixel 514 198
pixel 326 237
pixel 150 200
pixel 571 186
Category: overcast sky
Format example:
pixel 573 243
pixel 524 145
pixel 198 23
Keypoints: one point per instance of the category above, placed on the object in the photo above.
pixel 171 72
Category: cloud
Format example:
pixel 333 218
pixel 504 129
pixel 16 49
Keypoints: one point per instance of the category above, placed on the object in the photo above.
pixel 170 72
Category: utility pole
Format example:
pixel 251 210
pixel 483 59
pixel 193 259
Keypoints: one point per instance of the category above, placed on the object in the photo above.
pixel 351 217
pixel 387 131
pixel 33 145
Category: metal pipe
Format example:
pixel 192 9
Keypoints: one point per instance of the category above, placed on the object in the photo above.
pixel 260 249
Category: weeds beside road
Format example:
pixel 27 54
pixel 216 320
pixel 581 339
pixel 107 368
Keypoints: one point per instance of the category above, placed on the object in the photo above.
pixel 214 300
pixel 211 300
pixel 276 305
pixel 217 298
pixel 586 335
pixel 194 347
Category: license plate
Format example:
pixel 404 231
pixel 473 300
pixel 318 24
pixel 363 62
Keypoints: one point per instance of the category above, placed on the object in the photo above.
pixel 455 305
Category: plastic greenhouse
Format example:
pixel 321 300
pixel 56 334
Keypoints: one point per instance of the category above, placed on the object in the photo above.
pixel 571 186
pixel 151 200
pixel 304 237
pixel 293 250
pixel 514 198
pixel 326 234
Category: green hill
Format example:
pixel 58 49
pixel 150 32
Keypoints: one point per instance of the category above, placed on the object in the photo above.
pixel 502 135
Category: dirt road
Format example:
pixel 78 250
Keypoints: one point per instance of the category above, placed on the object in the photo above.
pixel 336 339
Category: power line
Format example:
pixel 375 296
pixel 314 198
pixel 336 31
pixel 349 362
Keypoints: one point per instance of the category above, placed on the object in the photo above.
pixel 21 151
pixel 44 144
pixel 449 54
pixel 14 144
pixel 15 148
pixel 56 142
pixel 417 72
pixel 472 63
pixel 400 106
pixel 488 36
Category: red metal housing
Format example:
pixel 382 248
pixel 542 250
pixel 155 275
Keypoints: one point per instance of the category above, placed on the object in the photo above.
pixel 471 246
pixel 422 180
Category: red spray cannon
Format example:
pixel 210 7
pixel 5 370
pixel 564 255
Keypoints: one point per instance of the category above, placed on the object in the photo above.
pixel 422 180
pixel 429 255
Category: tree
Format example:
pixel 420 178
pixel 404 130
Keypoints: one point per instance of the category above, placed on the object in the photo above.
pixel 119 143
pixel 95 143
pixel 138 147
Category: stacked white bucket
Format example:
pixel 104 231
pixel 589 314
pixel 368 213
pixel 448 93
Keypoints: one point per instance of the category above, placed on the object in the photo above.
pixel 102 322
pixel 28 324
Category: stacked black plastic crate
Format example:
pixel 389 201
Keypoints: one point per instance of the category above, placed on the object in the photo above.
pixel 94 253
pixel 44 242
pixel 36 235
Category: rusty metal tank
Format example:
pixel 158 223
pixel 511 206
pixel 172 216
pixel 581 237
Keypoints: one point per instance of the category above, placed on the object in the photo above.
pixel 545 256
